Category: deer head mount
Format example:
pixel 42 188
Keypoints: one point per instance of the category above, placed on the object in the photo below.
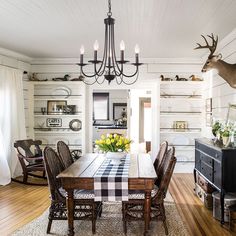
pixel 225 70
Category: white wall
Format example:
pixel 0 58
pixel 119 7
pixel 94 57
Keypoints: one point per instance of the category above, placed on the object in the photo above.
pixel 216 87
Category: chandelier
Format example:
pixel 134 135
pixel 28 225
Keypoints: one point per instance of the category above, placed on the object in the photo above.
pixel 109 67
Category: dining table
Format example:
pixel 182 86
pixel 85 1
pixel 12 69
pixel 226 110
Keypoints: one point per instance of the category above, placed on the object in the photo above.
pixel 80 175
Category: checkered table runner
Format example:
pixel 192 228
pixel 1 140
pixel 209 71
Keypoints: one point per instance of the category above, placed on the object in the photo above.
pixel 111 180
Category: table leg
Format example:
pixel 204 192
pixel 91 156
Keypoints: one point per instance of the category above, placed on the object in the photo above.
pixel 147 209
pixel 70 212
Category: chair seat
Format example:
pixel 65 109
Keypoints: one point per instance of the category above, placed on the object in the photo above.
pixel 79 193
pixel 133 194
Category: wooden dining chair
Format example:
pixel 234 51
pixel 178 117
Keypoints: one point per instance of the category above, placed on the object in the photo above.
pixel 85 206
pixel 30 157
pixel 64 154
pixel 159 161
pixel 133 209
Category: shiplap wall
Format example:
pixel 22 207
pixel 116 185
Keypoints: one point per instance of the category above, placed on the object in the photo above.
pixel 216 87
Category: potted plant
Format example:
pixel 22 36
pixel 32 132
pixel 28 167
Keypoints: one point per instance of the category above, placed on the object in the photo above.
pixel 215 128
pixel 225 134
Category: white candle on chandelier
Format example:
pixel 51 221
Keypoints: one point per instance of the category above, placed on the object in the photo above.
pixel 81 54
pixel 122 49
pixel 95 47
pixel 136 50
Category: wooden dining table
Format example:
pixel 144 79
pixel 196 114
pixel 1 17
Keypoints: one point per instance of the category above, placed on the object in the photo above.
pixel 80 175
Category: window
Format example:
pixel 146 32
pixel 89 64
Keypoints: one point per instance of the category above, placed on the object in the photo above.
pixel 100 106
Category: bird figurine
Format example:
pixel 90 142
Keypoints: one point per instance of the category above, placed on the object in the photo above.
pixel 180 79
pixel 65 78
pixel 194 78
pixel 165 79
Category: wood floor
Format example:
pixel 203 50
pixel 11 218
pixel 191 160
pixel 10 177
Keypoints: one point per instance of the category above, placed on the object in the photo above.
pixel 20 204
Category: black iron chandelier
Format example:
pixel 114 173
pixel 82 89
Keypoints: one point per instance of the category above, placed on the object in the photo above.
pixel 109 66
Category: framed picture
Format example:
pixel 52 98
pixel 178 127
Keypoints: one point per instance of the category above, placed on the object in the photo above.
pixel 231 115
pixel 180 124
pixel 208 119
pixel 56 107
pixel 119 110
pixel 209 105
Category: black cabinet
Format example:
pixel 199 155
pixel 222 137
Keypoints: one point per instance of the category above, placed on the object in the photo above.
pixel 217 165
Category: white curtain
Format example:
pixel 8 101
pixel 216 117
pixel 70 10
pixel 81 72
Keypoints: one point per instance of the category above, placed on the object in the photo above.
pixel 12 121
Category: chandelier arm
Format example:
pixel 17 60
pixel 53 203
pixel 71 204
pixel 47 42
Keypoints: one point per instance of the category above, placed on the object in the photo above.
pixel 101 81
pixel 129 76
pixel 86 75
pixel 121 80
pixel 137 74
pixel 102 68
pixel 117 69
pixel 95 81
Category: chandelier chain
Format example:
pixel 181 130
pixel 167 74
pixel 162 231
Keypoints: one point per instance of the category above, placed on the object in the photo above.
pixel 109 8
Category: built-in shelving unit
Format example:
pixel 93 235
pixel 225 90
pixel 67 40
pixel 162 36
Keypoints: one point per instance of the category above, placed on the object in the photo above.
pixel 181 116
pixel 49 119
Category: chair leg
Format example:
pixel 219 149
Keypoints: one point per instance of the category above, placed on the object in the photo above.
pixel 93 219
pixel 49 226
pixel 44 174
pixel 25 178
pixel 100 211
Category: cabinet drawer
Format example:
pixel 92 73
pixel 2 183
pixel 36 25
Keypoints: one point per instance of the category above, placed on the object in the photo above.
pixel 208 160
pixel 204 184
pixel 206 171
pixel 209 151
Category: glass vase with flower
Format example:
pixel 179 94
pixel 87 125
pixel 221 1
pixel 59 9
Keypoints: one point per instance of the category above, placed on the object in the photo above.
pixel 115 145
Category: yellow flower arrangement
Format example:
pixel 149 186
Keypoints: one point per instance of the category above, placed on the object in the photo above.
pixel 113 143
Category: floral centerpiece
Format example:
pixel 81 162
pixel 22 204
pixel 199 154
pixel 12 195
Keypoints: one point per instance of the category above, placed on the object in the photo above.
pixel 113 143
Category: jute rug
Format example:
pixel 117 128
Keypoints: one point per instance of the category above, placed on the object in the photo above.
pixel 109 224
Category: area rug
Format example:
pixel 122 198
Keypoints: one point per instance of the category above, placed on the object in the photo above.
pixel 109 224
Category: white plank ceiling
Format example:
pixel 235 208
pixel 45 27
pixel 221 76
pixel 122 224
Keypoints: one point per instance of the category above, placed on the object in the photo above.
pixel 163 28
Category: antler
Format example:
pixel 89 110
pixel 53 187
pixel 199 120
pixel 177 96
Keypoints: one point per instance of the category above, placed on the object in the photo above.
pixel 212 48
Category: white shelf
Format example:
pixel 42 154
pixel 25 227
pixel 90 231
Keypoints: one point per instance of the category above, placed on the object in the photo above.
pixel 58 99
pixel 180 132
pixel 162 113
pixel 174 82
pixel 57 132
pixel 76 115
pixel 180 98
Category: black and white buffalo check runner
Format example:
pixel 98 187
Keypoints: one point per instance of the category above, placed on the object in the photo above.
pixel 111 180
